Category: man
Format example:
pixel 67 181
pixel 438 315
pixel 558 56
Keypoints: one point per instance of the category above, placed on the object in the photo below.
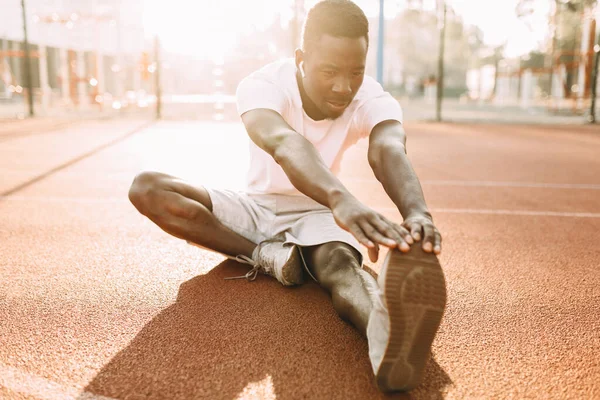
pixel 296 216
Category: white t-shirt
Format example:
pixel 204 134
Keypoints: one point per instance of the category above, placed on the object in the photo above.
pixel 275 87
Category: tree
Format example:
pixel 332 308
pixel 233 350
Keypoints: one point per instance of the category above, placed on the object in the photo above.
pixel 565 31
pixel 415 36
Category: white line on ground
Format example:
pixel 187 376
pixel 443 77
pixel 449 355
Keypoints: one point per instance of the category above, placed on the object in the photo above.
pixel 91 200
pixel 581 186
pixel 515 184
pixel 58 199
pixel 28 384
pixel 504 212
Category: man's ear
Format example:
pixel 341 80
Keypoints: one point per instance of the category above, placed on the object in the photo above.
pixel 300 61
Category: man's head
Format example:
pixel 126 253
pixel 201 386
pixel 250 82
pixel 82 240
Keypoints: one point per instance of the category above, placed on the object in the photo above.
pixel 332 60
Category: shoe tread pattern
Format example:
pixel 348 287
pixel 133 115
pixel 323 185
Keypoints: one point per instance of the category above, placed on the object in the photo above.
pixel 415 293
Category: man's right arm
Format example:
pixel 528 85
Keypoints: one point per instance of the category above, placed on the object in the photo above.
pixel 295 154
pixel 307 171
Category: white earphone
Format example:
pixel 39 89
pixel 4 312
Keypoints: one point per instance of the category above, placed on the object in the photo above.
pixel 302 69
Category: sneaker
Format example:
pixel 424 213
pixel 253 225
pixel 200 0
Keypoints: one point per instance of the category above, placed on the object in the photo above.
pixel 407 311
pixel 276 259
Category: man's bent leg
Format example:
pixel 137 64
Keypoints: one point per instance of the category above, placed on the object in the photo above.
pixel 336 266
pixel 185 212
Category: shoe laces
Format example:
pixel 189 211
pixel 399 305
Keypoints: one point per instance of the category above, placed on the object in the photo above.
pixel 250 275
pixel 260 263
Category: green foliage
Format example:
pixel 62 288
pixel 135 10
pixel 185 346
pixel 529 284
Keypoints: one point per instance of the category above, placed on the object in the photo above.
pixel 415 35
pixel 535 59
pixel 565 32
pixel 566 23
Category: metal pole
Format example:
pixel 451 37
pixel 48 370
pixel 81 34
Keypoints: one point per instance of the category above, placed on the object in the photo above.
pixel 27 61
pixel 592 117
pixel 296 24
pixel 520 79
pixel 555 17
pixel 380 40
pixel 157 78
pixel 294 28
pixel 496 64
pixel 440 80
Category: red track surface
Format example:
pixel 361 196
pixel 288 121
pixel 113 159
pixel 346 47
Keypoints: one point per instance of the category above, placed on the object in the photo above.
pixel 96 301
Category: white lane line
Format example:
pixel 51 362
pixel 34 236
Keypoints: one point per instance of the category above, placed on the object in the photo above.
pixel 503 212
pixel 581 186
pixel 58 199
pixel 91 200
pixel 586 186
pixel 28 384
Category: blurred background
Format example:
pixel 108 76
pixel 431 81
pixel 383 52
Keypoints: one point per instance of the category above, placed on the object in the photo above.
pixel 507 60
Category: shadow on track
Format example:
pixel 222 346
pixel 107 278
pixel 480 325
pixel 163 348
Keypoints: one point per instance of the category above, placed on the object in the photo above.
pixel 221 337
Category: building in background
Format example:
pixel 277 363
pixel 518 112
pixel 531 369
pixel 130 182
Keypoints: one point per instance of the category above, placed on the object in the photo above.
pixel 84 52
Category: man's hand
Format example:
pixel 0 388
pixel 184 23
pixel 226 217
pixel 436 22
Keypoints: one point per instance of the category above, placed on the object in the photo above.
pixel 369 227
pixel 421 227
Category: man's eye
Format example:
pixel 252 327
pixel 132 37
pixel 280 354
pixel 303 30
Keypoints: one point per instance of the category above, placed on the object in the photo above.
pixel 357 74
pixel 329 73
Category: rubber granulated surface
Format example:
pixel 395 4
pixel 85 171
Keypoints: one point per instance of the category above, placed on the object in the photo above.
pixel 97 302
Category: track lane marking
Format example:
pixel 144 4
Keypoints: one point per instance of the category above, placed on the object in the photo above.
pixel 503 212
pixel 461 183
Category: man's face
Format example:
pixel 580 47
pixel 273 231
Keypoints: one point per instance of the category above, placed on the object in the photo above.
pixel 334 70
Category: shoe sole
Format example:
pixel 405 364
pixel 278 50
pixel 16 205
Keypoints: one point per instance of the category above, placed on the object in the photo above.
pixel 415 293
pixel 292 270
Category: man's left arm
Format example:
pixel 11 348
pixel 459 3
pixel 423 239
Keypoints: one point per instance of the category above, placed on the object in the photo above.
pixel 389 161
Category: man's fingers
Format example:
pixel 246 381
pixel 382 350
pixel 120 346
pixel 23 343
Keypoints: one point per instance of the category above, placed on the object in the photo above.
pixel 387 228
pixel 373 234
pixel 415 229
pixel 374 253
pixel 360 236
pixel 373 248
pixel 437 245
pixel 404 233
pixel 397 232
pixel 402 236
pixel 429 237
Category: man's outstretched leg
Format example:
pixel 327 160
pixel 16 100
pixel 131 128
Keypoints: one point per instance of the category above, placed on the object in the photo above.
pixel 186 212
pixel 400 314
pixel 336 267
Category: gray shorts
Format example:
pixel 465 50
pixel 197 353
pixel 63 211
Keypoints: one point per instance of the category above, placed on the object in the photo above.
pixel 292 219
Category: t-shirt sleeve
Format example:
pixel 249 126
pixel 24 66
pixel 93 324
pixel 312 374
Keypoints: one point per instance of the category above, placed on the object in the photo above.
pixel 256 91
pixel 375 110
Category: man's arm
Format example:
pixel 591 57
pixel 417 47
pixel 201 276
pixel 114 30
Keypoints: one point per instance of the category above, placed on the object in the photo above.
pixel 297 156
pixel 310 175
pixel 388 159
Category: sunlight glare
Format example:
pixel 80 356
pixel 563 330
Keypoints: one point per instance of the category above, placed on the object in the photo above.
pixel 261 390
pixel 207 29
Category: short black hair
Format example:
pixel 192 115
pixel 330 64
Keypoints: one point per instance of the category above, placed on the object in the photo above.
pixel 341 18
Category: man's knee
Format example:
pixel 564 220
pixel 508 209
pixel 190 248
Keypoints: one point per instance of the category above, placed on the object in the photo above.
pixel 335 263
pixel 143 187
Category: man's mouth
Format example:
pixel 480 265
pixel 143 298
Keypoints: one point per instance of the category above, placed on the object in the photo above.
pixel 338 105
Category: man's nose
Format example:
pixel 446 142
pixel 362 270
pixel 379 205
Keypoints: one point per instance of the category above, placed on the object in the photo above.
pixel 341 86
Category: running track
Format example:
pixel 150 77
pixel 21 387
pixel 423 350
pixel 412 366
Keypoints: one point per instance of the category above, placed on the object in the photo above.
pixel 97 303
